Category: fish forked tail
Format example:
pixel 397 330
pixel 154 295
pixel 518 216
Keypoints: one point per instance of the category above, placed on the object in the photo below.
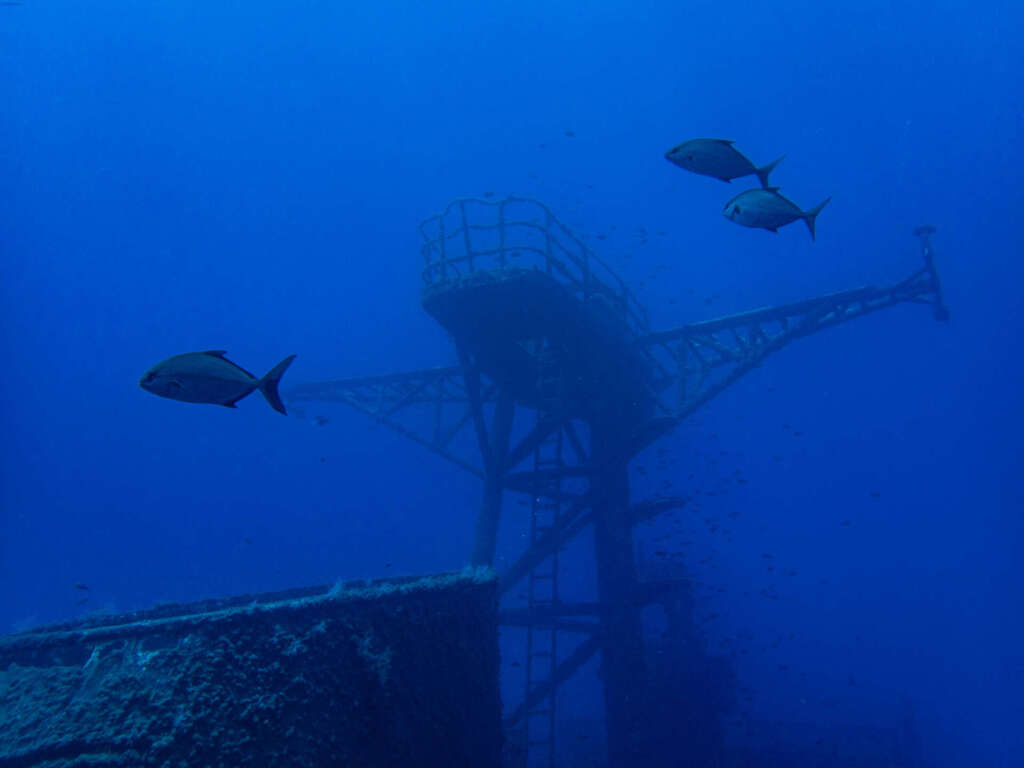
pixel 811 215
pixel 268 384
pixel 762 173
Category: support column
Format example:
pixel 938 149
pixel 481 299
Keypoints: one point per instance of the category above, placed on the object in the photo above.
pixel 622 636
pixel 490 504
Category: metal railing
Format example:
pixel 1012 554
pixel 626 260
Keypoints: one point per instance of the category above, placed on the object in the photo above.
pixel 473 235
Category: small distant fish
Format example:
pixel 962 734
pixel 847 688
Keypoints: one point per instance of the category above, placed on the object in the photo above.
pixel 209 377
pixel 82 587
pixel 767 209
pixel 719 159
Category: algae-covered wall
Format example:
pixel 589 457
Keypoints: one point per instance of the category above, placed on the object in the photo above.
pixel 393 673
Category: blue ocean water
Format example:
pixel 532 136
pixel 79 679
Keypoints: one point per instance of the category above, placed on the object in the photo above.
pixel 249 177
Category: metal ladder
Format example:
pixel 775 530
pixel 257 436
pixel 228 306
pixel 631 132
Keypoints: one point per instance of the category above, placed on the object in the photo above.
pixel 542 593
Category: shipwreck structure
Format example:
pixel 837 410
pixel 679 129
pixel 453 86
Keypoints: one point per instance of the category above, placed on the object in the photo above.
pixel 555 349
pixel 560 381
pixel 375 674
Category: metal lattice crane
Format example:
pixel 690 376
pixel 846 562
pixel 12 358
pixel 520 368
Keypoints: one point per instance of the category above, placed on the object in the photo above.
pixel 541 324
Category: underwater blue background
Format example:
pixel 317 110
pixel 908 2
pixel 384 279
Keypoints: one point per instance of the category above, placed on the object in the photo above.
pixel 249 177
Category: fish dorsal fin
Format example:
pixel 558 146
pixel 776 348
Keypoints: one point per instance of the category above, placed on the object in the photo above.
pixel 730 142
pixel 772 189
pixel 219 353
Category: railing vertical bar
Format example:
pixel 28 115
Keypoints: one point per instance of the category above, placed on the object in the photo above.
pixel 465 234
pixel 501 234
pixel 441 248
pixel 548 256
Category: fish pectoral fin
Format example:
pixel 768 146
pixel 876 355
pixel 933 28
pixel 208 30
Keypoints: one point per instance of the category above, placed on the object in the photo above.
pixel 231 403
pixel 175 385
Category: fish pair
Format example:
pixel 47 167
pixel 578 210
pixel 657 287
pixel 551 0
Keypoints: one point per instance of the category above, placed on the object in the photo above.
pixel 762 208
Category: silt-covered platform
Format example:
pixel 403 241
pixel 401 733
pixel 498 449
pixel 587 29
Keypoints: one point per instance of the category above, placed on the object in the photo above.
pixel 397 672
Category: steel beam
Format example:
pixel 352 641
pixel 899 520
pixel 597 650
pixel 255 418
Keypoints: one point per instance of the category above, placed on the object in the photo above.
pixel 622 649
pixel 490 505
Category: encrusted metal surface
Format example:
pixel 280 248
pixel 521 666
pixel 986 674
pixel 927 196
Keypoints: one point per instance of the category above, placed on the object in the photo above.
pixel 391 673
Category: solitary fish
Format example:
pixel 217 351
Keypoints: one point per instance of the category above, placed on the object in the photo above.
pixel 717 158
pixel 209 377
pixel 767 209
